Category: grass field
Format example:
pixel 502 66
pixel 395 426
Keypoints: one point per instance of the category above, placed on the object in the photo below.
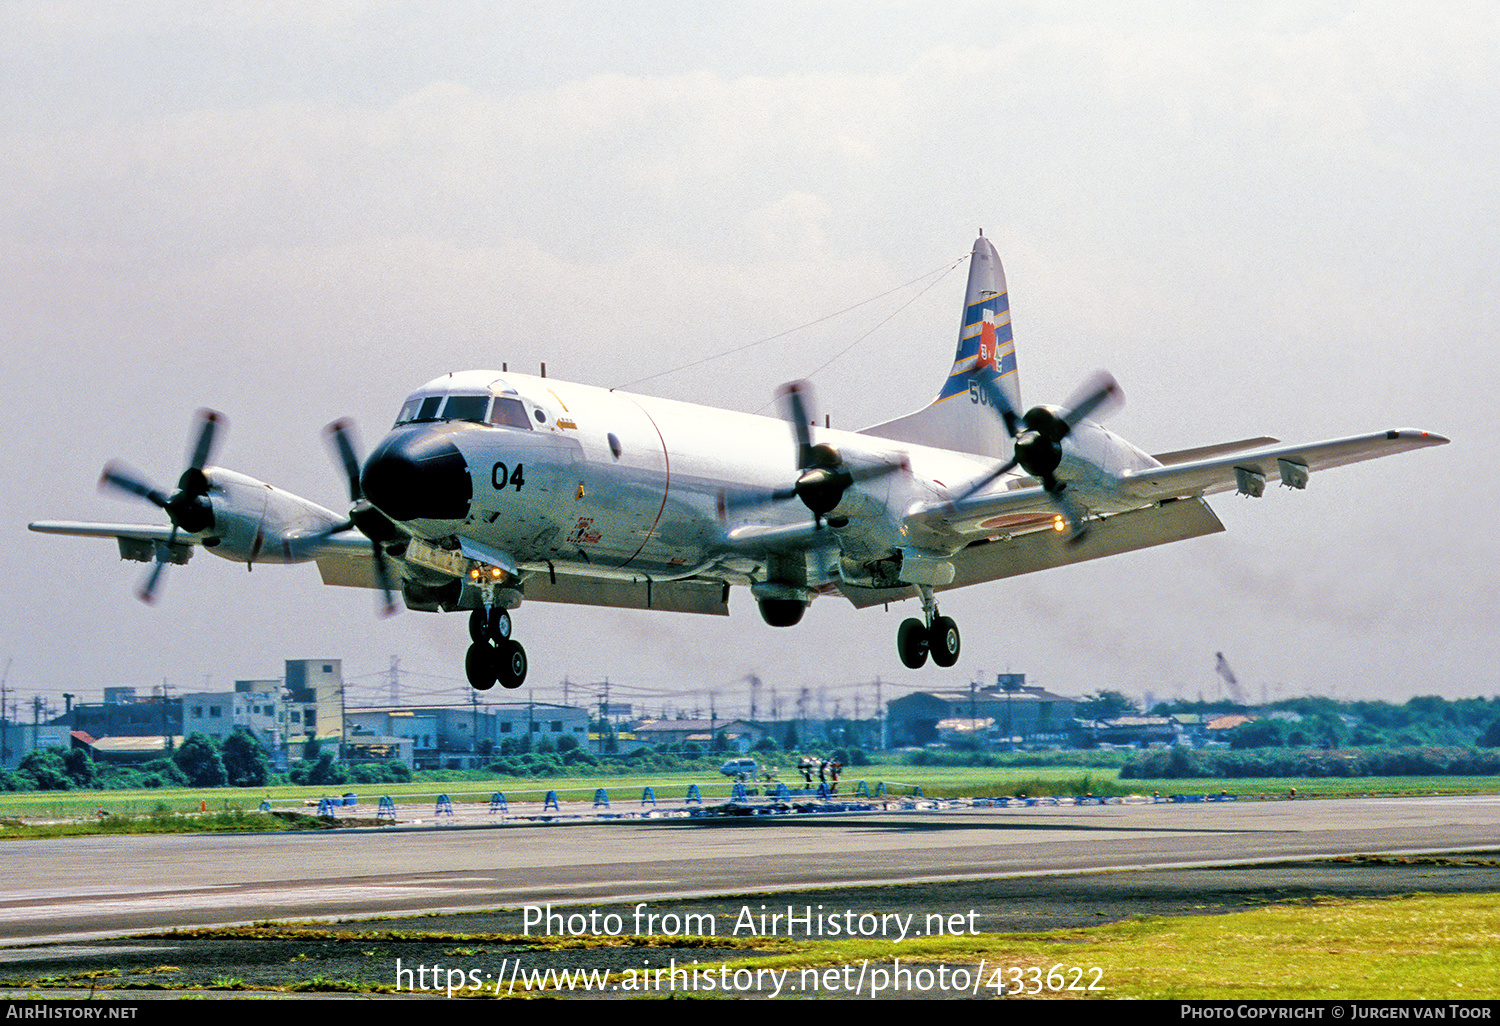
pixel 934 781
pixel 1415 947
pixel 1412 947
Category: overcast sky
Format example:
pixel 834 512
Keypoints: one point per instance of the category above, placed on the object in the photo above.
pixel 1262 218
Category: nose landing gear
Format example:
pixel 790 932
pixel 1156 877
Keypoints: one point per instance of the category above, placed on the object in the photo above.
pixel 932 635
pixel 494 657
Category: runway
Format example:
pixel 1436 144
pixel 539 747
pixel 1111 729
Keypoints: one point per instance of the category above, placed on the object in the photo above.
pixel 99 887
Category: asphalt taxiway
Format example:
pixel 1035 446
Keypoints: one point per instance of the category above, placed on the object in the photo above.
pixel 107 886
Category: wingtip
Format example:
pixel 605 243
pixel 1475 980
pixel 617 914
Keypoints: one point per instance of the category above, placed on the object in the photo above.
pixel 1419 436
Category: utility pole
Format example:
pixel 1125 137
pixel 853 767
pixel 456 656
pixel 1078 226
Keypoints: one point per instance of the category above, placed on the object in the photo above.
pixel 166 734
pixel 4 723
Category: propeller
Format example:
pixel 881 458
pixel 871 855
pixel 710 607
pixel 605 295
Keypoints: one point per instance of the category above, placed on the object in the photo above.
pixel 1038 437
pixel 188 508
pixel 364 517
pixel 823 476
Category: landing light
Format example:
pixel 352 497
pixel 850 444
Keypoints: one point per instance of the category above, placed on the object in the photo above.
pixel 1058 523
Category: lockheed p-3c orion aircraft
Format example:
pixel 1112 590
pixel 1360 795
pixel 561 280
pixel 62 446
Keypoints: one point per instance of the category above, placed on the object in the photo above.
pixel 494 488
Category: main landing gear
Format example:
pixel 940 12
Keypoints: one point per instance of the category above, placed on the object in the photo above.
pixel 933 634
pixel 495 656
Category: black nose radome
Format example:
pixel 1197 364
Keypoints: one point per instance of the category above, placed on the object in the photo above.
pixel 418 475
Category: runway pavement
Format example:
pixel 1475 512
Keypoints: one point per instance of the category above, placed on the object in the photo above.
pixel 94 887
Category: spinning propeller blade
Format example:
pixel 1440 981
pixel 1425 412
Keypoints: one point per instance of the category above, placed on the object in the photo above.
pixel 1038 438
pixel 366 518
pixel 187 508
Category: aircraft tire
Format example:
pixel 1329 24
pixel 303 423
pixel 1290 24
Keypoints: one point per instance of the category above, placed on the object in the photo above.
pixel 480 666
pixel 500 626
pixel 510 663
pixel 944 641
pixel 912 643
pixel 478 627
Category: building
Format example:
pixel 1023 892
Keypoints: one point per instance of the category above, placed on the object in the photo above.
pixel 740 735
pixel 314 700
pixel 1020 713
pixel 467 736
pixel 218 713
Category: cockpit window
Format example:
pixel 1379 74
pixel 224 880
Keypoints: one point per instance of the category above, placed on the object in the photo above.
pixel 467 407
pixel 419 408
pixel 509 413
pixel 476 409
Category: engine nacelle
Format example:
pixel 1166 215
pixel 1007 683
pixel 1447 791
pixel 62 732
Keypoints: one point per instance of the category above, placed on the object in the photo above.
pixel 254 522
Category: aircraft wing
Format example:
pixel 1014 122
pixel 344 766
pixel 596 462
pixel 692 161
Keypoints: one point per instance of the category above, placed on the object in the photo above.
pixel 1289 464
pixel 136 541
pixel 132 532
pixel 1019 508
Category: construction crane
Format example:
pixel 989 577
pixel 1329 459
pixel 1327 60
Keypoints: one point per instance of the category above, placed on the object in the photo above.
pixel 1221 667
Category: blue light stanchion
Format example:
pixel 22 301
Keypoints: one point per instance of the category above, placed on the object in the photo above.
pixel 551 802
pixel 387 810
pixel 783 793
pixel 498 803
pixel 325 808
pixel 880 791
pixel 695 795
pixel 862 791
pixel 823 791
pixel 265 805
pixel 601 798
pixel 444 808
pixel 739 794
pixel 648 795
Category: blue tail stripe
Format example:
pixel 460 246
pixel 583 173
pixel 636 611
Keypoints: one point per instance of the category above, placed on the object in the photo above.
pixel 958 381
pixel 974 312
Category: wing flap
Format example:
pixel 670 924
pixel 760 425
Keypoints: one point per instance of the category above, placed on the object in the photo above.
pixel 1040 550
pixel 1203 452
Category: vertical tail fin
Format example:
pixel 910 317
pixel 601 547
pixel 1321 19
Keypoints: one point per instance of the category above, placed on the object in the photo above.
pixel 957 418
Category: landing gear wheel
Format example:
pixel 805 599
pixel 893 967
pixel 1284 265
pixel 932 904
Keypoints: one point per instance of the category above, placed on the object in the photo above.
pixel 480 667
pixel 510 663
pixel 912 643
pixel 489 625
pixel 944 641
